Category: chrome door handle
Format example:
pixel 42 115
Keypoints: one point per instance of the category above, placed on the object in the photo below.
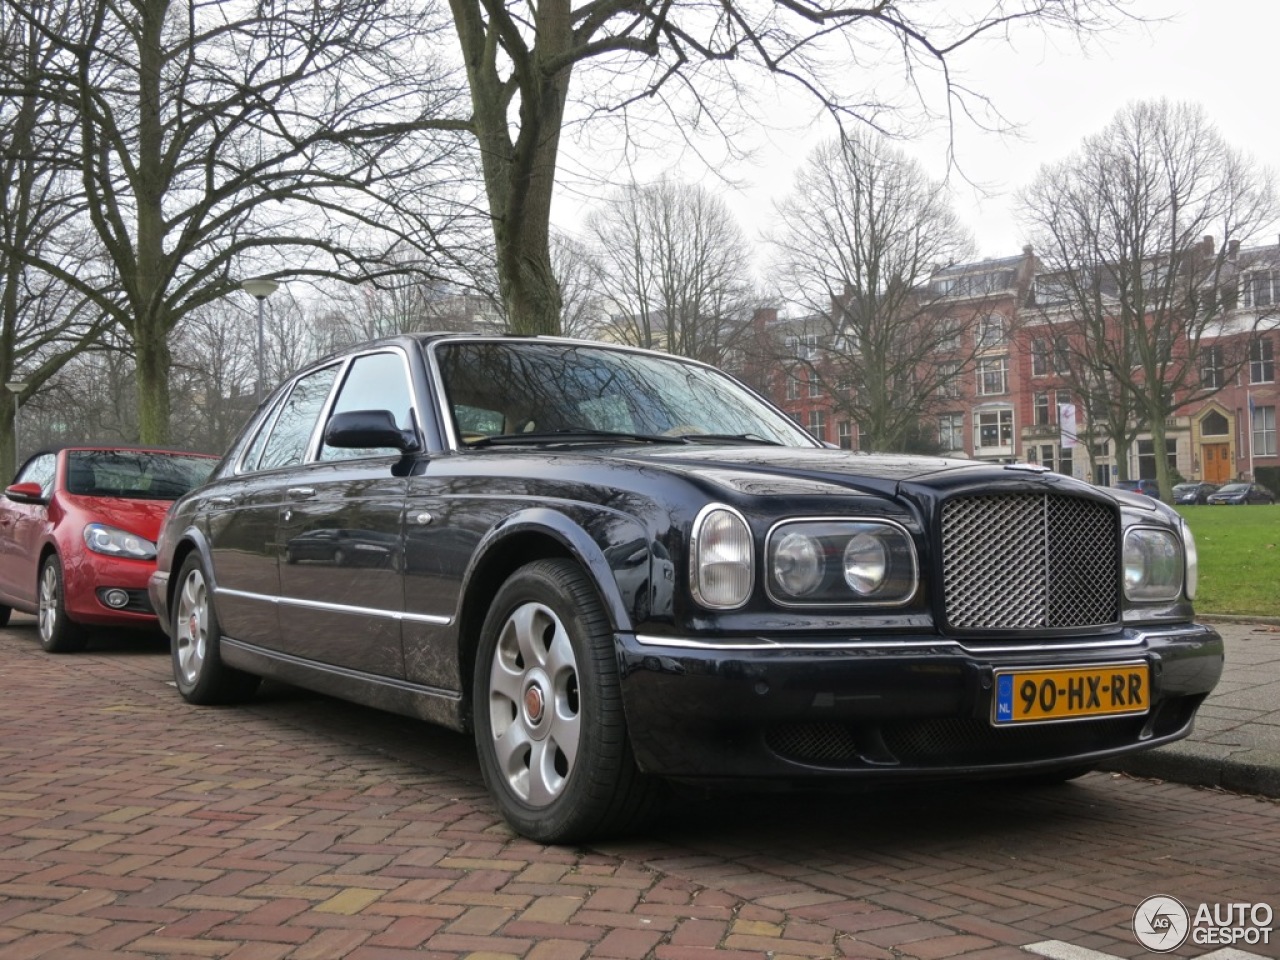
pixel 301 493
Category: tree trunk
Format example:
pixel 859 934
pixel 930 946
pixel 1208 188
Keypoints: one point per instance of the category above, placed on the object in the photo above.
pixel 520 176
pixel 153 358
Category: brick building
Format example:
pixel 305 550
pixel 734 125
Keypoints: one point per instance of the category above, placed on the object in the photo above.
pixel 1005 398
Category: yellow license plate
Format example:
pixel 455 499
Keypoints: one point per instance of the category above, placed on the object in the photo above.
pixel 1069 693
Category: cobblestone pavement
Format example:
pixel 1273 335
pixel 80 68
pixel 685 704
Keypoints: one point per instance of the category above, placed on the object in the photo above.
pixel 299 828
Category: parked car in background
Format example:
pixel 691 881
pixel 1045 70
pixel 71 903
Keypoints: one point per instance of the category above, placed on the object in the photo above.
pixel 1149 487
pixel 1239 494
pixel 77 536
pixel 618 568
pixel 1190 493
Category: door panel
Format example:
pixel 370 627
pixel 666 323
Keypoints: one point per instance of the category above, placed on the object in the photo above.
pixel 341 596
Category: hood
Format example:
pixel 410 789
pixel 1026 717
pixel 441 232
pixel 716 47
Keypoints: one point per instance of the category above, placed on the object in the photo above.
pixel 141 517
pixel 776 470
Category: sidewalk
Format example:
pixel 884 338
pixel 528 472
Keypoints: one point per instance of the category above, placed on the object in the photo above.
pixel 1236 742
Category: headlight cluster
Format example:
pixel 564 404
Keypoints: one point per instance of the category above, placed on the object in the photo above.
pixel 827 562
pixel 1154 565
pixel 117 543
pixel 840 562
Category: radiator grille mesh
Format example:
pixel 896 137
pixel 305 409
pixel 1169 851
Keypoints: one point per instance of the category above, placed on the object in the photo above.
pixel 1029 562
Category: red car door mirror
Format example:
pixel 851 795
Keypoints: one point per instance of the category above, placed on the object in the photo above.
pixel 25 493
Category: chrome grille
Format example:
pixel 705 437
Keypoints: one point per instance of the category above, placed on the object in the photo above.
pixel 1029 562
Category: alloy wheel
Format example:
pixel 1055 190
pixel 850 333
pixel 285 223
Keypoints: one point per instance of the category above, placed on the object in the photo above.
pixel 191 627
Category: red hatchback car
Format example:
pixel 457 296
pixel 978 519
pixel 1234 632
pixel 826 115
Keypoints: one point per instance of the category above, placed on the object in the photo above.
pixel 77 536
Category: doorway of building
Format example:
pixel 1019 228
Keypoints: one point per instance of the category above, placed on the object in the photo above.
pixel 1216 458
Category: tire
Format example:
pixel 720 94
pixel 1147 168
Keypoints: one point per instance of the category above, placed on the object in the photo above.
pixel 5 614
pixel 198 670
pixel 549 726
pixel 58 633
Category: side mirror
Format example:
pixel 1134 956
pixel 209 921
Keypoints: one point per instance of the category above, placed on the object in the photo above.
pixel 25 493
pixel 363 429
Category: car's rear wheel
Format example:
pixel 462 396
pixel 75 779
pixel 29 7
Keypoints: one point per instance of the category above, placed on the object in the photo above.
pixel 198 669
pixel 549 725
pixel 58 633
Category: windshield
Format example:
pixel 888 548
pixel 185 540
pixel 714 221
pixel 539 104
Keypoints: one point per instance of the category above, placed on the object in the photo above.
pixel 1234 488
pixel 137 474
pixel 1186 488
pixel 545 390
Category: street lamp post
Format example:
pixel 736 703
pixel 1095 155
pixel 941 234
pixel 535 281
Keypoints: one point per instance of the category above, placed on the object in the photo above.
pixel 15 387
pixel 260 288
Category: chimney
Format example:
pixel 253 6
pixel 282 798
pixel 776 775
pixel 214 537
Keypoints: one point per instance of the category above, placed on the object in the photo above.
pixel 1233 248
pixel 1207 246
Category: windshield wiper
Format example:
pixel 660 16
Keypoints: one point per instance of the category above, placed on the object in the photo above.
pixel 728 438
pixel 569 436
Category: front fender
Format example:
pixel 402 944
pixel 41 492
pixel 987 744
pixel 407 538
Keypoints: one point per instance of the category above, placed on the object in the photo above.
pixel 612 547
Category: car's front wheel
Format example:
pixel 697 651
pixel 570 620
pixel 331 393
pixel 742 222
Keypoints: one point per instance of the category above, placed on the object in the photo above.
pixel 549 726
pixel 198 670
pixel 58 633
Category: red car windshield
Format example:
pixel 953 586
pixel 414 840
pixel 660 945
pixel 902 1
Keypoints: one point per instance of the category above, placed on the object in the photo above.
pixel 137 474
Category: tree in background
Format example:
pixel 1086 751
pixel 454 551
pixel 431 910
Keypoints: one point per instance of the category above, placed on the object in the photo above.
pixel 44 321
pixel 675 268
pixel 1135 287
pixel 659 68
pixel 219 140
pixel 859 237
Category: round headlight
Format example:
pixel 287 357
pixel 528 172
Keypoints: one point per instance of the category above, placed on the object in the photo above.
pixel 797 564
pixel 865 563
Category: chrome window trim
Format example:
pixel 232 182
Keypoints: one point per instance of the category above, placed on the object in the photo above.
pixel 398 615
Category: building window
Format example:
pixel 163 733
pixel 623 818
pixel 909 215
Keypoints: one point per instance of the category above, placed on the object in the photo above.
pixel 1042 410
pixel 1259 288
pixel 949 380
pixel 994 428
pixel 1046 457
pixel 1061 355
pixel 991 332
pixel 1066 462
pixel 1262 361
pixel 1147 458
pixel 949 334
pixel 993 376
pixel 815 384
pixel 818 423
pixel 803 347
pixel 1039 357
pixel 793 386
pixel 844 430
pixel 951 431
pixel 1211 374
pixel 1264 431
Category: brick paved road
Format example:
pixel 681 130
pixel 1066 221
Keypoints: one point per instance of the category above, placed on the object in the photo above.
pixel 133 825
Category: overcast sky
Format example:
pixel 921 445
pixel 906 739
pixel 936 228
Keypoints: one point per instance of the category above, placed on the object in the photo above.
pixel 1220 53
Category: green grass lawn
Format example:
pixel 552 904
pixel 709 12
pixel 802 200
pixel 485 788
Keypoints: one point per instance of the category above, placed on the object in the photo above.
pixel 1239 559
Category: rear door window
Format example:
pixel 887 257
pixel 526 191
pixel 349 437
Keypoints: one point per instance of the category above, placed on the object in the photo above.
pixel 291 433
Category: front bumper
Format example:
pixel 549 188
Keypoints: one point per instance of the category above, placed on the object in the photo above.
pixel 900 708
pixel 87 577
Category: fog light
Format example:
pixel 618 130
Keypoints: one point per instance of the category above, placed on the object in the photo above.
pixel 115 597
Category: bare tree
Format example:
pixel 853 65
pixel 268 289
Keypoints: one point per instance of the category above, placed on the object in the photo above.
pixel 43 322
pixel 686 61
pixel 219 139
pixel 1134 289
pixel 581 289
pixel 676 269
pixel 860 237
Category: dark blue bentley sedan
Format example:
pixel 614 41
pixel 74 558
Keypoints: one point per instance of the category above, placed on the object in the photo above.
pixel 620 569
